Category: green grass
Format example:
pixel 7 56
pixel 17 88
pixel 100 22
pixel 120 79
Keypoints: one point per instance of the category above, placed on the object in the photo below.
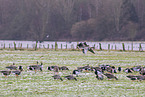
pixel 31 84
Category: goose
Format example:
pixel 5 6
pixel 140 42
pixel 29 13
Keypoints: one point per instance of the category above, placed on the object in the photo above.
pixel 97 68
pixel 20 68
pixel 36 67
pixel 99 75
pixel 17 72
pixel 87 68
pixel 57 77
pixel 51 68
pixel 84 47
pixel 12 67
pixel 128 70
pixel 119 69
pixel 64 68
pixel 137 68
pixel 56 69
pixel 110 76
pixel 76 72
pixel 142 72
pixel 98 72
pixel 5 72
pixel 70 77
pixel 136 77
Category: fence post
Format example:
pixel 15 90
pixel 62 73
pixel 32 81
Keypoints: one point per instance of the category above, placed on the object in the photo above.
pixel 66 46
pixel 61 46
pixel 36 45
pixel 9 45
pixel 52 46
pixel 112 47
pixel 48 46
pixel 21 46
pixel 94 46
pixel 108 46
pixel 4 45
pixel 115 47
pixel 123 46
pixel 44 46
pixel 56 46
pixel 100 46
pixel 140 47
pixel 132 46
pixel 15 46
pixel 27 46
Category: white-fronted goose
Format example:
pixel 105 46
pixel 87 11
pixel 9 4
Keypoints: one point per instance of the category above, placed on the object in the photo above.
pixel 12 67
pixel 16 72
pixel 5 72
pixel 57 77
pixel 70 77
pixel 110 76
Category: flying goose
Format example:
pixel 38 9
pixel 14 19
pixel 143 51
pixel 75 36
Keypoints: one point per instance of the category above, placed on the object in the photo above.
pixel 84 47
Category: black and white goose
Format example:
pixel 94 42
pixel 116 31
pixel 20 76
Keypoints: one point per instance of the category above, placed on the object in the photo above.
pixel 128 70
pixel 99 75
pixel 76 72
pixel 136 68
pixel 119 69
pixel 20 68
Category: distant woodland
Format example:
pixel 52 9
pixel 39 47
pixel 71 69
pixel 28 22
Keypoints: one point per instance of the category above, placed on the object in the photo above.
pixel 72 20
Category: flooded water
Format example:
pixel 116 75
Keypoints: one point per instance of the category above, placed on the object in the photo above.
pixel 106 45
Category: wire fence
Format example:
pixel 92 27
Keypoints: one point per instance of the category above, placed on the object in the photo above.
pixel 100 45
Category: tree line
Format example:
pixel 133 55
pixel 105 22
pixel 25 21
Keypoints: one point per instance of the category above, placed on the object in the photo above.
pixel 72 20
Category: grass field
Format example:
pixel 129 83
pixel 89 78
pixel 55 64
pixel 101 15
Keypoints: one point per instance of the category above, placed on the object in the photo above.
pixel 41 84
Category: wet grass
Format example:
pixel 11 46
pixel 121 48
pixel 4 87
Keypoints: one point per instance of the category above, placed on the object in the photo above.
pixel 31 84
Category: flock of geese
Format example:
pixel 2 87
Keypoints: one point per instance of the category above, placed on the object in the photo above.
pixel 99 71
